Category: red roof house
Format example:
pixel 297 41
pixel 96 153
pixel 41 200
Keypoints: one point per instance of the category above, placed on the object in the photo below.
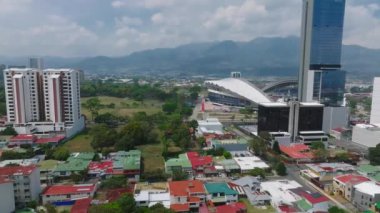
pixel 17 170
pixel 298 152
pixel 100 168
pixel 344 184
pixel 232 208
pixel 56 193
pixel 186 195
pixel 23 139
pixel 199 163
pixel 52 140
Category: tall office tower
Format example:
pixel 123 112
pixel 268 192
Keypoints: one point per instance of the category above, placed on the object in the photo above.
pixel 62 95
pixel 36 63
pixel 22 94
pixel 375 109
pixel 320 78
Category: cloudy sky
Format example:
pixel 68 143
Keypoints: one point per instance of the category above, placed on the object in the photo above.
pixel 119 27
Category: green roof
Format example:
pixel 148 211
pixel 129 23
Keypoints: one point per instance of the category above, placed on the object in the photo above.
pixel 368 211
pixel 303 205
pixel 229 164
pixel 181 161
pixel 368 169
pixel 219 188
pixel 47 165
pixel 76 162
pixel 130 160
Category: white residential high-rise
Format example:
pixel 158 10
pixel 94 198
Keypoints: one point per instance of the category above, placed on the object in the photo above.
pixel 375 109
pixel 62 95
pixel 21 91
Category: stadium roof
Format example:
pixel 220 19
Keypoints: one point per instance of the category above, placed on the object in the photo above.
pixel 242 88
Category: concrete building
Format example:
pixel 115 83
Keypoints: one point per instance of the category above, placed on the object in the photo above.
pixel 327 171
pixel 22 95
pixel 43 102
pixel 344 184
pixel 210 125
pixel 57 194
pixel 252 189
pixel 182 163
pixel 249 163
pixel 366 194
pixel 186 195
pixel 7 198
pixel 335 117
pixel 375 109
pixel 26 182
pixel 366 134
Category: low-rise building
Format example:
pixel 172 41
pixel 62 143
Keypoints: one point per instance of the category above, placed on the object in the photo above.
pixel 249 163
pixel 252 189
pixel 297 152
pixel 22 139
pixel 230 145
pixel 232 208
pixel 76 163
pixel 58 194
pixel 54 141
pixel 148 198
pixel 372 172
pixel 210 125
pixel 344 184
pixel 20 162
pixel 327 171
pixel 181 163
pixel 26 182
pixel 186 195
pixel 366 194
pixel 220 193
pixel 199 163
pixel 280 192
pixel 339 133
pixel 366 134
pixel 100 169
pixel 127 163
pixel 7 198
pixel 46 170
pixel 311 202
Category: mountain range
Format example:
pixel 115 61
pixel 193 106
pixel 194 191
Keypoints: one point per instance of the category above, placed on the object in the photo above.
pixel 260 57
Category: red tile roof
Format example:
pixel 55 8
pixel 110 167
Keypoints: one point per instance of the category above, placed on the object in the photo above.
pixel 17 170
pixel 23 137
pixel 81 206
pixel 105 166
pixel 297 151
pixel 231 208
pixel 69 189
pixel 55 139
pixel 180 207
pixel 183 188
pixel 287 209
pixel 351 178
pixel 194 200
pixel 196 160
pixel 315 198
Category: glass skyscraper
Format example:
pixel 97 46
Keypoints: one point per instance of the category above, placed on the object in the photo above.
pixel 321 47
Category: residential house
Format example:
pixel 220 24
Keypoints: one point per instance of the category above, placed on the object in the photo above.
pixel 311 202
pixel 67 194
pixel 81 206
pixel 54 141
pixel 127 163
pixel 220 193
pixel 365 195
pixel 181 163
pixel 26 182
pixel 280 192
pixel 186 195
pixel 372 172
pixel 76 163
pixel 327 171
pixel 232 208
pixel 47 168
pixel 344 184
pixel 252 188
pixel 100 169
pixel 23 139
pixel 299 153
pixel 230 145
pixel 7 198
pixel 149 194
pixel 249 163
pixel 199 163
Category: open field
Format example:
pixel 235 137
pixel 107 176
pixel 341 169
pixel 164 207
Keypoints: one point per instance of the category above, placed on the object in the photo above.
pixel 253 209
pixel 80 143
pixel 124 106
pixel 153 159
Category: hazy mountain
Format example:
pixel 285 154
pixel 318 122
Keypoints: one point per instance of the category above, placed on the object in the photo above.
pixel 259 57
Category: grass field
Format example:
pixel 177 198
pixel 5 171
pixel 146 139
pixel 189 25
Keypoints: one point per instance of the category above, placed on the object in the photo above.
pixel 253 209
pixel 80 143
pixel 153 159
pixel 124 106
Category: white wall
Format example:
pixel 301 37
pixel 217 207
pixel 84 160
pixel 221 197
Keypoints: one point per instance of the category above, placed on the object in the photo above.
pixel 334 117
pixel 375 109
pixel 7 200
pixel 365 136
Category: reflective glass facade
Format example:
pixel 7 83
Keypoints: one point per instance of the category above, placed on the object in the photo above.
pixel 273 119
pixel 310 119
pixel 326 34
pixel 329 86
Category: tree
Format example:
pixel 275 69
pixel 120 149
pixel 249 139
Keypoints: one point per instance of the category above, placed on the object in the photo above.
pixel 374 155
pixel 258 145
pixel 93 105
pixel 179 175
pixel 114 182
pixel 159 208
pixel 32 204
pixel 50 208
pixel 9 130
pixel 106 208
pixel 61 154
pixel 276 147
pixel 335 209
pixel 102 136
pixel 317 145
pixel 227 155
pixel 127 203
pixel 106 118
pixel 258 172
pixel 321 154
pixel 265 135
pixel 169 107
pixel 281 169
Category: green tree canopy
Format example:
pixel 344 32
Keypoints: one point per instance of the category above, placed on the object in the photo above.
pixel 281 169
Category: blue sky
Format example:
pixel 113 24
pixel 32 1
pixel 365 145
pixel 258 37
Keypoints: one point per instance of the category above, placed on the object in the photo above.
pixel 119 27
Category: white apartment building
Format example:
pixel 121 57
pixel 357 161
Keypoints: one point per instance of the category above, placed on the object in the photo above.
pixel 26 182
pixel 62 95
pixel 22 95
pixel 41 102
pixel 375 109
pixel 7 199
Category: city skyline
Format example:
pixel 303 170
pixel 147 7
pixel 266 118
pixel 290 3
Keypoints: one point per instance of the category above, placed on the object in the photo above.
pixel 121 27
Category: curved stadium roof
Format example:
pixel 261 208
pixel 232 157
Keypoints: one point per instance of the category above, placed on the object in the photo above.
pixel 242 88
